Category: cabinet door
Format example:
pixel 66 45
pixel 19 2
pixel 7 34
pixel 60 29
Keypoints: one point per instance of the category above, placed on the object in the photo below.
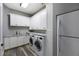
pixel 6 43
pixel 25 40
pixel 38 21
pixel 35 21
pixel 19 20
pixel 43 19
pixel 20 40
pixel 13 20
pixel 13 42
pixel 27 21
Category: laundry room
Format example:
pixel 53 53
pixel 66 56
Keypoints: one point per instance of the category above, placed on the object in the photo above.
pixel 26 29
pixel 39 29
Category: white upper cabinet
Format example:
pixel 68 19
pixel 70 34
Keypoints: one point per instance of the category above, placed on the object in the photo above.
pixel 38 21
pixel 19 20
pixel 43 19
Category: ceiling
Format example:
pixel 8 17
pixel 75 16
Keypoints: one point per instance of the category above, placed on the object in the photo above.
pixel 31 9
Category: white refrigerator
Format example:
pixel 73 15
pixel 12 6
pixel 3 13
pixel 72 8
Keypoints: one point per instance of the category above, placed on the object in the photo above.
pixel 68 34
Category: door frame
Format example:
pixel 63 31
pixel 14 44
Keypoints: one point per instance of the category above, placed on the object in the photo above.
pixel 2 43
pixel 57 36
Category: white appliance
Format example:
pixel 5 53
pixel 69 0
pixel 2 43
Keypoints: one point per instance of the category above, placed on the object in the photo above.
pixel 68 34
pixel 37 40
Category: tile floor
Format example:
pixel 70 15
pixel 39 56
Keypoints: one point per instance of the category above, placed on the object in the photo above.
pixel 19 51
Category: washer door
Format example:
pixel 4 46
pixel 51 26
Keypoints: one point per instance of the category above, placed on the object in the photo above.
pixel 38 45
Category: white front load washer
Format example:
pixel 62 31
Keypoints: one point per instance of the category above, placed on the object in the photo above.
pixel 38 42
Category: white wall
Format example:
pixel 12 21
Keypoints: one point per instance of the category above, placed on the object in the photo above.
pixel 49 40
pixel 1 29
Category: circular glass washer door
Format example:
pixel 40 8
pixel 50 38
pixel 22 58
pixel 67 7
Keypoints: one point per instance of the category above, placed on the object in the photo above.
pixel 38 45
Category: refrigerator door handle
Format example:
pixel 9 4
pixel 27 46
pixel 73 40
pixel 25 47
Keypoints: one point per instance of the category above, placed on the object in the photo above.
pixel 59 49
